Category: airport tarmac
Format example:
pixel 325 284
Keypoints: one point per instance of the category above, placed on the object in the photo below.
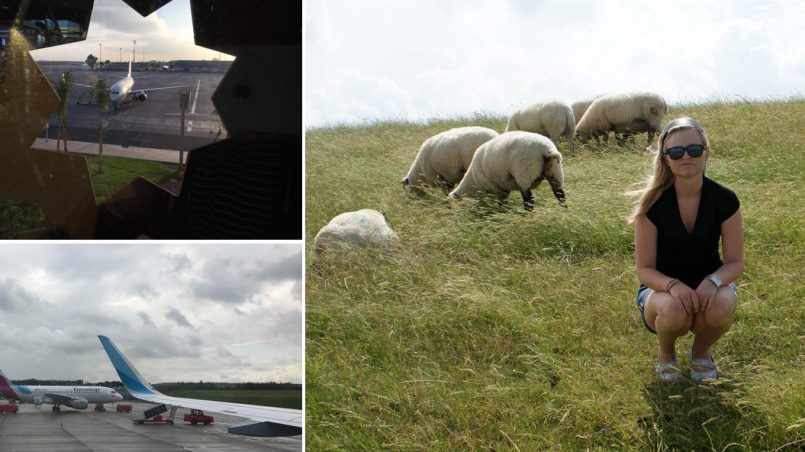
pixel 153 123
pixel 35 429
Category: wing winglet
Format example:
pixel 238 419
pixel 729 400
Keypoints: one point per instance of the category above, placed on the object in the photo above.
pixel 131 379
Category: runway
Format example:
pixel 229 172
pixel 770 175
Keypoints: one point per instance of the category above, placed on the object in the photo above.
pixel 35 429
pixel 153 123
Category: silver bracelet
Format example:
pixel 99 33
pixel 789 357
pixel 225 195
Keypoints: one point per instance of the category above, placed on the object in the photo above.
pixel 713 278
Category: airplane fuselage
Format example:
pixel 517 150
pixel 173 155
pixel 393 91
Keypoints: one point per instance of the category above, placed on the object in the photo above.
pixel 41 394
pixel 121 90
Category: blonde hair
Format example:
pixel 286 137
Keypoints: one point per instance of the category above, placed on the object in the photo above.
pixel 662 177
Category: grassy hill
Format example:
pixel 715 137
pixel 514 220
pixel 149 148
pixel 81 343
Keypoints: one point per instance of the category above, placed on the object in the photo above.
pixel 497 328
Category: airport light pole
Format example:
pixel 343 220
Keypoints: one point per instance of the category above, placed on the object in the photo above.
pixel 134 53
pixel 100 54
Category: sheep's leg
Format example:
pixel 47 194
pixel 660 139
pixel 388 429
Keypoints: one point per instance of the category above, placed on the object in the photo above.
pixel 447 186
pixel 528 199
pixel 570 141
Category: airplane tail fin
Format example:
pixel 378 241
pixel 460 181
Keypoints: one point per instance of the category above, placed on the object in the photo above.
pixel 7 388
pixel 129 69
pixel 131 379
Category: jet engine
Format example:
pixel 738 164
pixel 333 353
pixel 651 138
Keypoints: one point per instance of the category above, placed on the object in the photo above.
pixel 37 400
pixel 140 95
pixel 78 404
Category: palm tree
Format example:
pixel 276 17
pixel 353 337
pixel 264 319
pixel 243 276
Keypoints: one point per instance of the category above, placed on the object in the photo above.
pixel 102 99
pixel 63 90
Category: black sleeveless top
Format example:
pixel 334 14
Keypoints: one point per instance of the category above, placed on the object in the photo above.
pixel 691 256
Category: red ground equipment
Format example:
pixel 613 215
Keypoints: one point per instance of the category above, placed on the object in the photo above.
pixel 198 417
pixel 123 408
pixel 8 408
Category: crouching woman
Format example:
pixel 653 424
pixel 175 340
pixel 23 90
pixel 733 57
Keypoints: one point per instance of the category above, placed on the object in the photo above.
pixel 685 285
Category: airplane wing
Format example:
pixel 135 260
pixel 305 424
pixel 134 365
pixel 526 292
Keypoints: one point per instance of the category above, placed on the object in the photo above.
pixel 265 421
pixel 59 399
pixel 157 89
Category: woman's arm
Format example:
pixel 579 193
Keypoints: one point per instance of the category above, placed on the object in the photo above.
pixel 732 247
pixel 645 245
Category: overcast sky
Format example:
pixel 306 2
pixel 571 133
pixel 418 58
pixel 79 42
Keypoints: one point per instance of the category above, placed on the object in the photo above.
pixel 166 34
pixel 231 312
pixel 417 59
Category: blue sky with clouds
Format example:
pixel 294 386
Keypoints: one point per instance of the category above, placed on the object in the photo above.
pixel 369 60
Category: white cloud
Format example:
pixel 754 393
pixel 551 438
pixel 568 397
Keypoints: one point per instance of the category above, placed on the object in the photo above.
pixel 166 34
pixel 56 298
pixel 418 59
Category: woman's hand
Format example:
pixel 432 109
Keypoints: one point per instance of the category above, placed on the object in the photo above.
pixel 686 296
pixel 706 291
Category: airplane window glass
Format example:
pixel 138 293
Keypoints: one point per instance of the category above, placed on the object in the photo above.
pixel 150 138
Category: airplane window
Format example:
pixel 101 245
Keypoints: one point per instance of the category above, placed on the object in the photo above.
pixel 193 142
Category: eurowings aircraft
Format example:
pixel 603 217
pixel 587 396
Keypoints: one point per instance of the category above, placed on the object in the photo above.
pixel 263 420
pixel 78 397
pixel 121 91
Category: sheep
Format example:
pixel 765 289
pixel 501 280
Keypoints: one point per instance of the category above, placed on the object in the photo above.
pixel 514 160
pixel 550 118
pixel 352 230
pixel 580 107
pixel 623 113
pixel 444 158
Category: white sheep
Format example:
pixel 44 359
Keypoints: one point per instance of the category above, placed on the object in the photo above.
pixel 580 107
pixel 514 160
pixel 627 113
pixel 550 118
pixel 444 158
pixel 351 230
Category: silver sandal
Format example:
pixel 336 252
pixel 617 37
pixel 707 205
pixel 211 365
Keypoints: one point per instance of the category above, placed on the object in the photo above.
pixel 702 368
pixel 668 372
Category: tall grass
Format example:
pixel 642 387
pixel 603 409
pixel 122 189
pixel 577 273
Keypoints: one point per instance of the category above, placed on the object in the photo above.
pixel 497 328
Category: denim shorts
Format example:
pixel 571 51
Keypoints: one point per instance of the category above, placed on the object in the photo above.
pixel 642 295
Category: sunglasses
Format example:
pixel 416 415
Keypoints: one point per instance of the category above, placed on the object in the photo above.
pixel 693 150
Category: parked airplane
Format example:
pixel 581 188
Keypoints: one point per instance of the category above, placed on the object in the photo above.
pixel 121 91
pixel 78 397
pixel 264 421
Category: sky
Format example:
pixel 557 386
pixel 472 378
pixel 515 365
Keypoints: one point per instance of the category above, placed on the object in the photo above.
pixel 166 34
pixel 179 312
pixel 370 60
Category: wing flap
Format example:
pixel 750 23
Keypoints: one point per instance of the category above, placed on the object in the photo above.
pixel 157 89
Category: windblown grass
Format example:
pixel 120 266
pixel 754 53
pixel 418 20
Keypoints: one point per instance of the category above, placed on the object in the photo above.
pixel 496 328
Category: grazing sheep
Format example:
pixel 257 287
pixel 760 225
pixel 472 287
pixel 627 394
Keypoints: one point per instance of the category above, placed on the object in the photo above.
pixel 444 158
pixel 514 160
pixel 351 230
pixel 623 113
pixel 580 107
pixel 551 118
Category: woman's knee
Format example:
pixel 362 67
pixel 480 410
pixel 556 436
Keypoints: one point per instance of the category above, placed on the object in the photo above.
pixel 670 314
pixel 721 308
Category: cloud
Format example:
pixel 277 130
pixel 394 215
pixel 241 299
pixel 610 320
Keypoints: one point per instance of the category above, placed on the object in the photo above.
pixel 56 298
pixel 144 291
pixel 15 298
pixel 175 315
pixel 146 319
pixel 236 281
pixel 490 56
pixel 166 34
